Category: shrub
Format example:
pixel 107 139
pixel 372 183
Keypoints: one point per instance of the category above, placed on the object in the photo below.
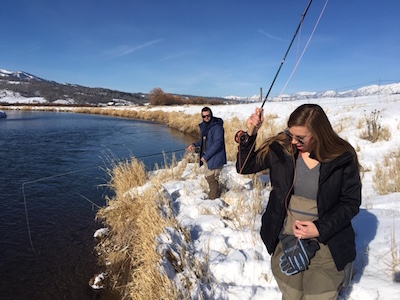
pixel 374 131
pixel 158 97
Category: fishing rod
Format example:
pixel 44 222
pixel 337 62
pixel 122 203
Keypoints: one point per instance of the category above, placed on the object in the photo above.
pixel 242 136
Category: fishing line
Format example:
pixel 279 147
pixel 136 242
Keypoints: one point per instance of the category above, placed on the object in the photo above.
pixel 38 180
pixel 305 48
pixel 297 58
pixel 87 199
pixel 68 173
pixel 287 52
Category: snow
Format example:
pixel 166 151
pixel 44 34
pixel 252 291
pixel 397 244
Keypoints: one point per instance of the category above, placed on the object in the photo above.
pixel 11 97
pixel 98 281
pixel 101 232
pixel 229 245
pixel 235 256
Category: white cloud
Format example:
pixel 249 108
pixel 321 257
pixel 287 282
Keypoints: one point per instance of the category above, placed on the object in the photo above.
pixel 271 36
pixel 124 50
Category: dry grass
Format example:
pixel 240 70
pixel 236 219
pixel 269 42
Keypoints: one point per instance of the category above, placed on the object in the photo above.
pixel 183 122
pixel 130 250
pixel 256 205
pixel 125 175
pixel 189 124
pixel 136 217
pixel 395 251
pixel 231 127
pixel 387 174
pixel 342 124
pixel 171 170
pixel 373 131
pixel 244 214
pixel 390 258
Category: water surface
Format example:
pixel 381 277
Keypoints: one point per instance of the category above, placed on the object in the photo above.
pixel 59 161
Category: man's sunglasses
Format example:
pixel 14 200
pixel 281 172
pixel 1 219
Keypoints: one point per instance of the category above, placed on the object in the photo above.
pixel 205 116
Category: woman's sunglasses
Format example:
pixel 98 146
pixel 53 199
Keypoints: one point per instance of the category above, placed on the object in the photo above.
pixel 301 140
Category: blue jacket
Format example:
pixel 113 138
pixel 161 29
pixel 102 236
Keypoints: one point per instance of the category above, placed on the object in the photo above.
pixel 213 135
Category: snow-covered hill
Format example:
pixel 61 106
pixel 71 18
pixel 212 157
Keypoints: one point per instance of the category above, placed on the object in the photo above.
pixel 12 75
pixel 369 90
pixel 9 95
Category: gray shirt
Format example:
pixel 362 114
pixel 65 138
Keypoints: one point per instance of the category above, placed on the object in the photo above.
pixel 306 184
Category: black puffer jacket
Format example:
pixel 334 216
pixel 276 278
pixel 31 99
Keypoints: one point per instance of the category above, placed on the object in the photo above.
pixel 339 198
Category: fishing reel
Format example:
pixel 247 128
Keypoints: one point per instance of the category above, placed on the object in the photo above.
pixel 241 137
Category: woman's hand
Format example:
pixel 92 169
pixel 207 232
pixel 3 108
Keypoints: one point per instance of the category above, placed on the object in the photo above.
pixel 305 230
pixel 255 121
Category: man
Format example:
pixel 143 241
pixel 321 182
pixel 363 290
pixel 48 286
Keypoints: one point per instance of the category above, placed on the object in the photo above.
pixel 212 149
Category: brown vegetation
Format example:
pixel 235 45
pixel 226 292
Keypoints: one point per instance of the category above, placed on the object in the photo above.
pixel 136 218
pixel 158 97
pixel 387 174
pixel 135 221
pixel 373 130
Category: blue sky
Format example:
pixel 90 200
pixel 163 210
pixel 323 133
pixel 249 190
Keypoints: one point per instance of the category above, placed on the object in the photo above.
pixel 208 47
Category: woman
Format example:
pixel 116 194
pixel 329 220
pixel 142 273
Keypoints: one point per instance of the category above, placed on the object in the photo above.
pixel 316 192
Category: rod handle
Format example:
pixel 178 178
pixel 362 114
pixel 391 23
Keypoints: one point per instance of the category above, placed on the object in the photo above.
pixel 252 129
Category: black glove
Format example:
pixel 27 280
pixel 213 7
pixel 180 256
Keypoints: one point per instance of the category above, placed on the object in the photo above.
pixel 297 254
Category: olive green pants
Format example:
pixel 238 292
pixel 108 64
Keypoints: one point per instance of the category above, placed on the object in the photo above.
pixel 322 281
pixel 212 177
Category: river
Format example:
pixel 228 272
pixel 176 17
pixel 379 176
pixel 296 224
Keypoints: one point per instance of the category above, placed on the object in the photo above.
pixel 58 161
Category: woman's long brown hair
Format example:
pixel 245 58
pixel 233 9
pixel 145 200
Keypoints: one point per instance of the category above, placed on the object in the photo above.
pixel 327 144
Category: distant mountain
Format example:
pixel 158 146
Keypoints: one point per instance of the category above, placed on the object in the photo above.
pixel 22 87
pixel 19 84
pixel 18 75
